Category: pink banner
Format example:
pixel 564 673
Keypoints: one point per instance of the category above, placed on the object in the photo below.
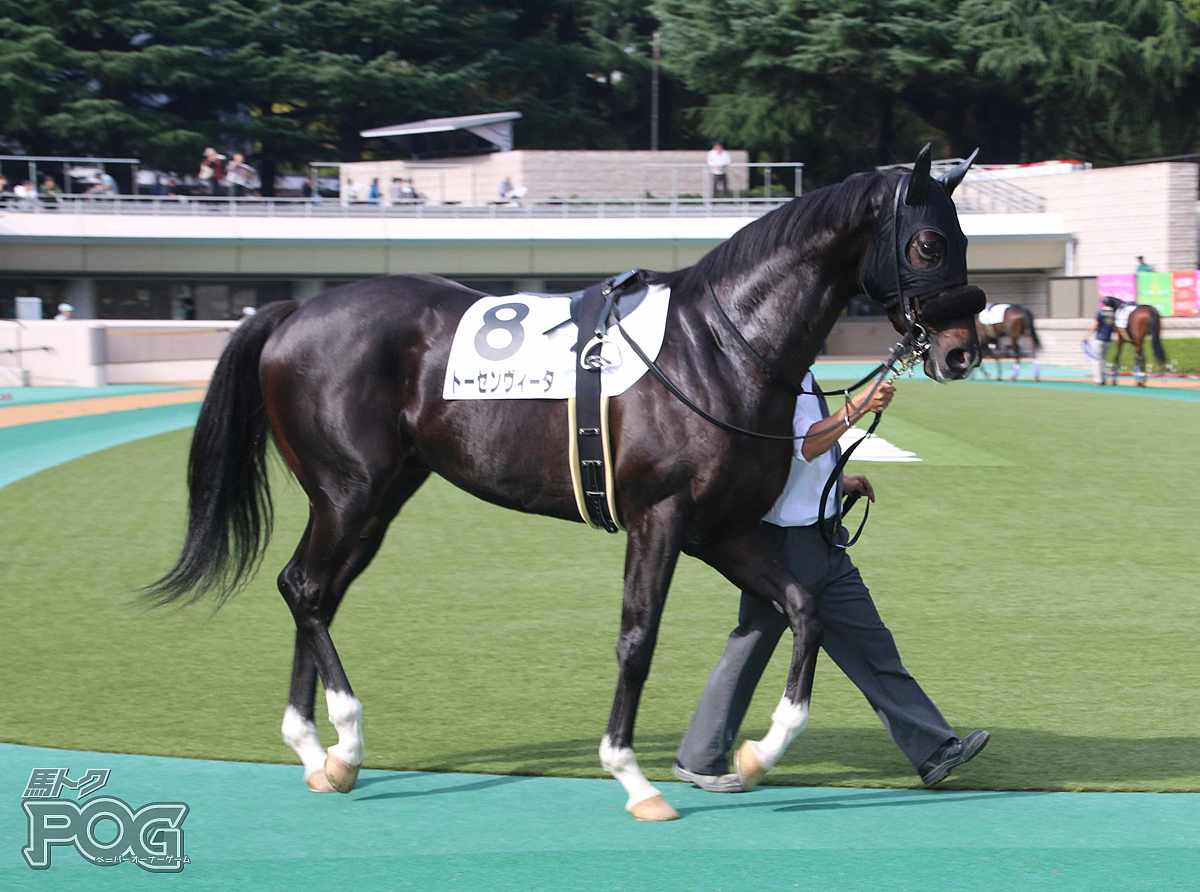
pixel 1184 293
pixel 1121 285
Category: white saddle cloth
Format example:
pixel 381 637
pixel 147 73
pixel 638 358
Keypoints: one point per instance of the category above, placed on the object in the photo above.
pixel 993 314
pixel 1122 315
pixel 515 348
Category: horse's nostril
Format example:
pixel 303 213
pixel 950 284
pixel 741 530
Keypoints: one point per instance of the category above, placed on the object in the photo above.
pixel 960 359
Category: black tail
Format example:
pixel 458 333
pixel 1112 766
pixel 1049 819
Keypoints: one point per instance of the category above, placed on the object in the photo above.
pixel 228 493
pixel 1037 344
pixel 1153 329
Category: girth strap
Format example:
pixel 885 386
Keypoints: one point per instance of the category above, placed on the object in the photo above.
pixel 591 460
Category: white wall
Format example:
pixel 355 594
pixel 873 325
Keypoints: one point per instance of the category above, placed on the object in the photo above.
pixel 95 352
pixel 551 174
pixel 1118 213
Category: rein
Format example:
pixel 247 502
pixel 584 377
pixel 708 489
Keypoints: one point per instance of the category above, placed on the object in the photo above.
pixel 769 369
pixel 905 346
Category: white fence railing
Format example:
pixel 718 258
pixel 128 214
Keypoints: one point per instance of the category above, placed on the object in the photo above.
pixel 976 195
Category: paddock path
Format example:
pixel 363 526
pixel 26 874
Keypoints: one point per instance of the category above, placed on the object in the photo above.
pixel 256 826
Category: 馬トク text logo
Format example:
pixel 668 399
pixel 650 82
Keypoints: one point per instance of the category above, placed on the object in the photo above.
pixel 150 837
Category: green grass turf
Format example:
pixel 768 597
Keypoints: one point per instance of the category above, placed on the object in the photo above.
pixel 1183 355
pixel 1038 570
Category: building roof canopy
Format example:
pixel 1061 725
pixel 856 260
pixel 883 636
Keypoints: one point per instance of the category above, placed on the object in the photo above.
pixel 496 128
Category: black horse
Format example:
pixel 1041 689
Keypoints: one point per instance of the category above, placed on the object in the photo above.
pixel 349 385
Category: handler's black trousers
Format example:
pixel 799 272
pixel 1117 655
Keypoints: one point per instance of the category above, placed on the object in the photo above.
pixel 855 638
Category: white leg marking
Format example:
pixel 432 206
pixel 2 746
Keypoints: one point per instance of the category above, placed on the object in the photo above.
pixel 345 714
pixel 301 735
pixel 623 765
pixel 787 721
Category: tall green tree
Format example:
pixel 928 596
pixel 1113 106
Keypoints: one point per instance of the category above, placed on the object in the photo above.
pixel 845 83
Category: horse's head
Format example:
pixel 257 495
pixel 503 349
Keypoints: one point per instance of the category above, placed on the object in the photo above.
pixel 917 270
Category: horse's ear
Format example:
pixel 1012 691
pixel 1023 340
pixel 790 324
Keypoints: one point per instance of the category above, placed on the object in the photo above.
pixel 918 183
pixel 952 178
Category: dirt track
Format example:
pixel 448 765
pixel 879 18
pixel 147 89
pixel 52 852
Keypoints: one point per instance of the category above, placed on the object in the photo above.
pixel 10 416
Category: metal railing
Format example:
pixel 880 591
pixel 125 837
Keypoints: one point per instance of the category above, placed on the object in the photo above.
pixel 985 191
pixel 701 178
pixel 978 194
pixel 292 208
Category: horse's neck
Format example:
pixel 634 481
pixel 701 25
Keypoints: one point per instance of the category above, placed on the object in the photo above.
pixel 788 306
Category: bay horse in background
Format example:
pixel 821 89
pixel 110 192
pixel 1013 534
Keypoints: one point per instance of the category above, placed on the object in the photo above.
pixel 1140 321
pixel 349 385
pixel 1011 321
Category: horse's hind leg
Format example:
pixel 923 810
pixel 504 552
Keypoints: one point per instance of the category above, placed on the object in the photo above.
pixel 1016 369
pixel 299 728
pixel 342 538
pixel 1139 364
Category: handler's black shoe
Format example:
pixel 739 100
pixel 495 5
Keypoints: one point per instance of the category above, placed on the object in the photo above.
pixel 938 766
pixel 714 783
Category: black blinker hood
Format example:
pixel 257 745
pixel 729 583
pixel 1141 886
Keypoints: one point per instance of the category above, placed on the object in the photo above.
pixel 932 208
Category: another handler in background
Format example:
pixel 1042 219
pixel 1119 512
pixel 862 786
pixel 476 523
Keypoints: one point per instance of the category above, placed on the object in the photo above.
pixel 1100 334
pixel 855 637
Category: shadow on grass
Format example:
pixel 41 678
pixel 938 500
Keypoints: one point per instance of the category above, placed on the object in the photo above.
pixel 1016 759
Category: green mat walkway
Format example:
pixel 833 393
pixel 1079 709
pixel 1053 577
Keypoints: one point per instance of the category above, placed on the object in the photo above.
pixel 257 826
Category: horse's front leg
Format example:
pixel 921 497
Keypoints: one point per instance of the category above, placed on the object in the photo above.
pixel 650 557
pixel 753 563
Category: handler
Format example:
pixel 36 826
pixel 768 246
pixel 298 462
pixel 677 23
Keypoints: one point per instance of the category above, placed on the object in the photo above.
pixel 855 637
pixel 1100 334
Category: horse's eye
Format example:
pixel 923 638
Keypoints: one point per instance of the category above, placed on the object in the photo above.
pixel 927 250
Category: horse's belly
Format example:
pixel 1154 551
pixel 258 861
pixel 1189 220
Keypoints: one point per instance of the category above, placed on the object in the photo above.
pixel 509 453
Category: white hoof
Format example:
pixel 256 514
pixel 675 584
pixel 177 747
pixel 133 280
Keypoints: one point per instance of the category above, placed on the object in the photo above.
pixel 653 809
pixel 748 763
pixel 318 782
pixel 341 776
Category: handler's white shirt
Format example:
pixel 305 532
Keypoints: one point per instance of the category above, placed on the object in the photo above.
pixel 799 503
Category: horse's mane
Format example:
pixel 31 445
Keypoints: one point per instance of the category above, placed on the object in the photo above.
pixel 810 215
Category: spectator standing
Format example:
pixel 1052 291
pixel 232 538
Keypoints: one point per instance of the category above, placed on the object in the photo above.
pixel 373 193
pixel 1143 266
pixel 212 171
pixel 505 188
pixel 239 176
pixel 51 191
pixel 65 313
pixel 718 163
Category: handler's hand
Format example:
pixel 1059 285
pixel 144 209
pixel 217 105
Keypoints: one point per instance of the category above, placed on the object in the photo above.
pixel 880 398
pixel 858 483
